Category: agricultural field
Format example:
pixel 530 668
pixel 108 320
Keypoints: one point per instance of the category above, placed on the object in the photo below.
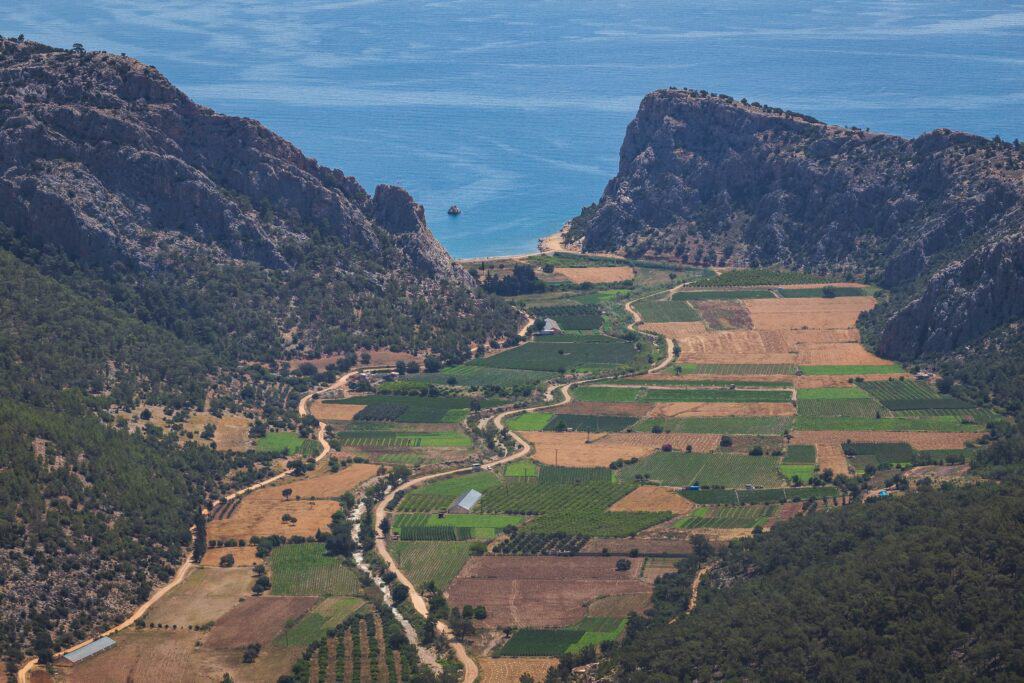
pixel 522 468
pixel 595 522
pixel 913 395
pixel 426 409
pixel 481 376
pixel 757 277
pixel 528 422
pixel 758 496
pixel 327 614
pixel 613 394
pixel 724 315
pixel 887 369
pixel 530 591
pixel 287 442
pixel 939 423
pixel 717 425
pixel 572 316
pixel 826 292
pixel 529 642
pixel 670 311
pixel 360 649
pixel 424 526
pixel 596 274
pixel 512 669
pixel 384 439
pixel 588 423
pixel 438 495
pixel 425 561
pixel 745 517
pixel 739 369
pixel 562 353
pixel 711 469
pixel 723 295
pixel 528 496
pixel 306 569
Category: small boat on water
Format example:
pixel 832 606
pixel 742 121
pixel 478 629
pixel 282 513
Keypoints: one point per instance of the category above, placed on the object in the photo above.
pixel 454 210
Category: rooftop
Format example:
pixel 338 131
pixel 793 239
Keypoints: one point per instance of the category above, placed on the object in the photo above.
pixel 89 649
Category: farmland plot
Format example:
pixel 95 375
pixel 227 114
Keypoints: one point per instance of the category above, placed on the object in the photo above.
pixel 562 353
pixel 425 561
pixel 745 517
pixel 717 425
pixel 671 311
pixel 572 316
pixel 724 294
pixel 306 569
pixel 713 469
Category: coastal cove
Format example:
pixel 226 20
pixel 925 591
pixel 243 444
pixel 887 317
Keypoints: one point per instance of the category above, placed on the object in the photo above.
pixel 515 112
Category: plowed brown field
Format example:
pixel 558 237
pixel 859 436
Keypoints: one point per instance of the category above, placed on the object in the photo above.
pixel 795 314
pixel 512 669
pixel 918 440
pixel 721 409
pixel 596 274
pixel 653 499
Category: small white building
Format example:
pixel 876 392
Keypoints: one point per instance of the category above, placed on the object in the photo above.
pixel 465 503
pixel 550 327
pixel 88 650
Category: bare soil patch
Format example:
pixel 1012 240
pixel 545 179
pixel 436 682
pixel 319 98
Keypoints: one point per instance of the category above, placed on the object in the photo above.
pixel 819 381
pixel 326 484
pixel 596 274
pixel 148 655
pixel 702 443
pixel 257 620
pixel 620 606
pixel 655 567
pixel 653 499
pixel 205 595
pixel 917 440
pixel 260 512
pixel 724 315
pixel 721 409
pixel 245 556
pixel 736 346
pixel 679 544
pixel 572 449
pixel 675 330
pixel 533 591
pixel 837 354
pixel 831 457
pixel 334 411
pixel 795 314
pixel 511 669
pixel 813 336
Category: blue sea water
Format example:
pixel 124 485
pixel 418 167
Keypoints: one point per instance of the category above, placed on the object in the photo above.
pixel 516 110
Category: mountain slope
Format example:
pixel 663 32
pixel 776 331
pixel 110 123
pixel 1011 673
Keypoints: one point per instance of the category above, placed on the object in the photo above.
pixel 105 163
pixel 937 219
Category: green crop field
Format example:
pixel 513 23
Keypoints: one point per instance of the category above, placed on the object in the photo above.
pixel 851 369
pixel 305 569
pixel 531 642
pixel 595 523
pixel 383 439
pixel 800 455
pixel 589 423
pixel 440 494
pixel 573 475
pixel 737 369
pixel 620 394
pixel 842 407
pixel 823 292
pixel 802 472
pixel 913 395
pixel 770 495
pixel 666 311
pixel 851 391
pixel 423 409
pixel 529 496
pixel 717 425
pixel 562 353
pixel 528 422
pixel 425 561
pixel 685 383
pixel 757 277
pixel 480 376
pixel 745 517
pixel 572 316
pixel 710 469
pixel 279 442
pixel 400 458
pixel 481 525
pixel 704 295
pixel 941 423
pixel 597 630
pixel 327 614
pixel 521 468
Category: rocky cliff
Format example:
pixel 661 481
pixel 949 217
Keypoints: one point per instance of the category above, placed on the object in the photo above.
pixel 938 219
pixel 103 160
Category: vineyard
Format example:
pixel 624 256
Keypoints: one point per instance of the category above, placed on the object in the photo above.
pixel 593 522
pixel 479 376
pixel 738 369
pixel 717 425
pixel 745 517
pixel 851 369
pixel 745 497
pixel 912 395
pixel 378 439
pixel 937 423
pixel 424 409
pixel 541 544
pixel 588 423
pixel 425 562
pixel 842 407
pixel 561 353
pixel 531 497
pixel 530 642
pixel 822 292
pixel 451 527
pixel 438 495
pixel 361 649
pixel 699 295
pixel 758 277
pixel 620 394
pixel 306 569
pixel 712 469
pixel 550 474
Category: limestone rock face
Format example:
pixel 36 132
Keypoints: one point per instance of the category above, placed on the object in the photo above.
pixel 102 156
pixel 938 218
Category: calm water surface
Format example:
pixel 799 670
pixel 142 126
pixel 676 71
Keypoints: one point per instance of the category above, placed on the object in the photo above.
pixel 516 110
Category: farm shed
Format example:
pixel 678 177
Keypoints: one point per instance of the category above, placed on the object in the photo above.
pixel 550 327
pixel 466 502
pixel 88 650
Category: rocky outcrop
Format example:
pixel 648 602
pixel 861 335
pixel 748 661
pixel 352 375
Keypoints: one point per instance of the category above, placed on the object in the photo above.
pixel 101 155
pixel 939 218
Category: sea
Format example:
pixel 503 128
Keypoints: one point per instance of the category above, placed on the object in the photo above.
pixel 515 111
